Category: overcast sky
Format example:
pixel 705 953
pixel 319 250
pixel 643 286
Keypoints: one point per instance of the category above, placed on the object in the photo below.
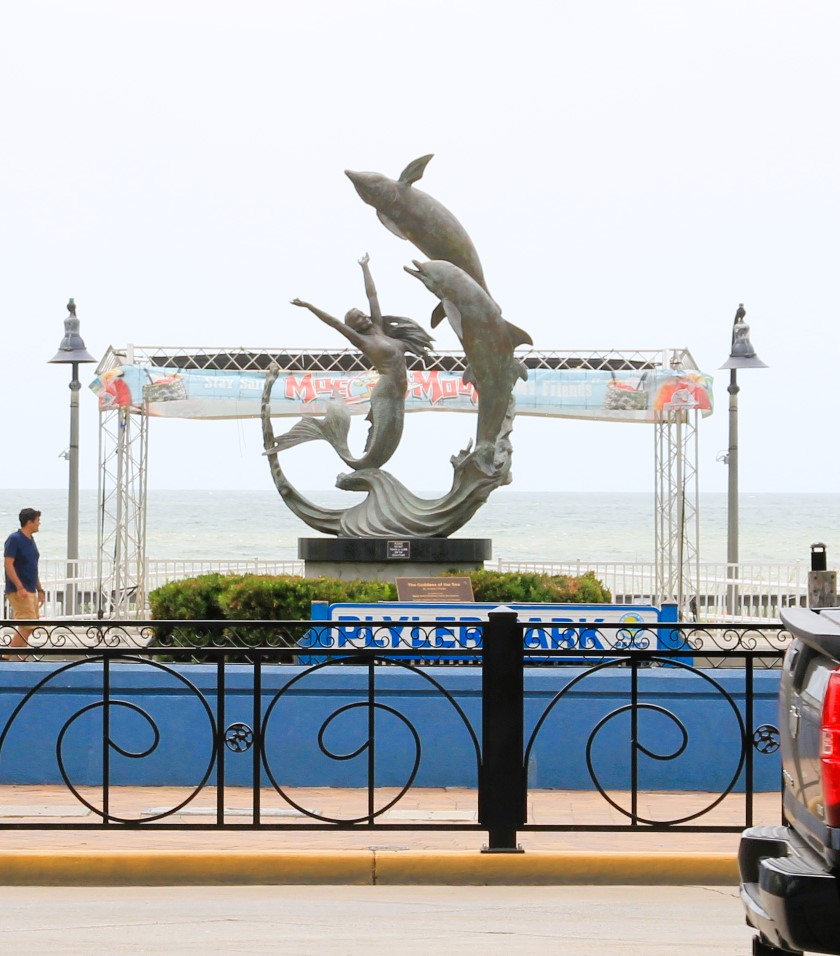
pixel 629 172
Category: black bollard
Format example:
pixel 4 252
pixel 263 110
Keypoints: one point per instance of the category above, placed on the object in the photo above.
pixel 819 557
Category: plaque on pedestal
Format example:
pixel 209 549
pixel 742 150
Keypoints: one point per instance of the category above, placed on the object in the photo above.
pixel 384 559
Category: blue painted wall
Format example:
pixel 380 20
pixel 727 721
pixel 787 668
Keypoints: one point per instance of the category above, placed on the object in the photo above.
pixel 161 729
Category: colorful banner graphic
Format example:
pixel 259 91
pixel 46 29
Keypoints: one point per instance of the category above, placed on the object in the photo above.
pixel 560 393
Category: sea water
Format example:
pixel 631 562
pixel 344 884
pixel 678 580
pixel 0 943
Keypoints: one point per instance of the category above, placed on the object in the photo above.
pixel 523 526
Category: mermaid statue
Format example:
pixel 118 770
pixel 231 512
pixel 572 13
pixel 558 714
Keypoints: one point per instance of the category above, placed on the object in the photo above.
pixel 384 340
pixel 389 508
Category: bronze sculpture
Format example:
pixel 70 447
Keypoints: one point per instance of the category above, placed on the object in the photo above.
pixel 414 215
pixel 488 342
pixel 454 275
pixel 384 340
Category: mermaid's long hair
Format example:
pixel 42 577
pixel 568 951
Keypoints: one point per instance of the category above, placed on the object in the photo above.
pixel 417 340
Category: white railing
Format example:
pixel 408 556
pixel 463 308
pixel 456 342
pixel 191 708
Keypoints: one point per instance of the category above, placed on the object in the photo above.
pixel 158 572
pixel 762 589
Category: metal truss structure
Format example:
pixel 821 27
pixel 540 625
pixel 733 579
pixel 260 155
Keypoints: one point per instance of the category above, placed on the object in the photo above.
pixel 121 525
pixel 677 515
pixel 124 440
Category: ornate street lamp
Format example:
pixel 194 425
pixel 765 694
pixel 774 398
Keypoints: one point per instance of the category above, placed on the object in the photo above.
pixel 741 355
pixel 72 351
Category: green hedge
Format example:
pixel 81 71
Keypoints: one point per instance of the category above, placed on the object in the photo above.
pixel 216 597
pixel 252 597
pixel 522 588
pixel 196 599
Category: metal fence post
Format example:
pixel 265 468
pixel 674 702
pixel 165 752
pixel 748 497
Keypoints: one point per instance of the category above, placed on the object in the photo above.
pixel 502 788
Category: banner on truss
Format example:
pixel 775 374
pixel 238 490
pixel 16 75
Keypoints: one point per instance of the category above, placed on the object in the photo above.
pixel 631 396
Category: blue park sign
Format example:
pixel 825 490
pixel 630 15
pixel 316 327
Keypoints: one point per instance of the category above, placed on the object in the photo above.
pixel 390 625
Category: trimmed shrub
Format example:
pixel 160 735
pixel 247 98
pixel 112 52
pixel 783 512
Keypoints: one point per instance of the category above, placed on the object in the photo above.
pixel 288 600
pixel 524 588
pixel 193 599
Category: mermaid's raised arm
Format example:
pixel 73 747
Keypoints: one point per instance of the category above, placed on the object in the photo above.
pixel 350 334
pixel 323 316
pixel 370 291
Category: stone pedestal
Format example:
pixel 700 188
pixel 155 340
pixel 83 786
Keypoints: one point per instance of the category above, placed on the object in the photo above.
pixel 822 589
pixel 384 559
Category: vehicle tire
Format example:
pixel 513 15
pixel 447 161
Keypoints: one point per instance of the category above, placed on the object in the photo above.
pixel 761 947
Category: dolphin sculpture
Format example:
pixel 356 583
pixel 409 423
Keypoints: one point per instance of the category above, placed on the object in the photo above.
pixel 422 220
pixel 488 341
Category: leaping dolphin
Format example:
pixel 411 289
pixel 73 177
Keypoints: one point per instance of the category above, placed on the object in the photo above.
pixel 488 342
pixel 422 220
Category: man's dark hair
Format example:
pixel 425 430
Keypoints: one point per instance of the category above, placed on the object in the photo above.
pixel 28 514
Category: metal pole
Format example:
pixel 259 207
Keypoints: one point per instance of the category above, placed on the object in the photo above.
pixel 502 783
pixel 72 352
pixel 680 590
pixel 732 497
pixel 73 495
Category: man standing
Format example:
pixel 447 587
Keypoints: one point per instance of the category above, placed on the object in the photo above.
pixel 23 585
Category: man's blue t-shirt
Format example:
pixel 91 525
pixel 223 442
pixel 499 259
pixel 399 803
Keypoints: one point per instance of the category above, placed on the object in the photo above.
pixel 25 553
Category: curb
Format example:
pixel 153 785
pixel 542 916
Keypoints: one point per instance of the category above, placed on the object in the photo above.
pixel 365 867
pixel 546 868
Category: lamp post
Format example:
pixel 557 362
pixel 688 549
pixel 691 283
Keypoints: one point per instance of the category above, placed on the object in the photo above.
pixel 72 351
pixel 741 355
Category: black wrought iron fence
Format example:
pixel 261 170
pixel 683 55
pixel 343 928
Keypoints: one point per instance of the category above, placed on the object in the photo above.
pixel 216 705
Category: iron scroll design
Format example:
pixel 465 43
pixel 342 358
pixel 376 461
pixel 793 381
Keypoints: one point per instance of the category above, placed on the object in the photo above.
pixel 354 724
pixel 717 640
pixel 367 746
pixel 81 635
pixel 765 739
pixel 237 737
pixel 108 707
pixel 715 643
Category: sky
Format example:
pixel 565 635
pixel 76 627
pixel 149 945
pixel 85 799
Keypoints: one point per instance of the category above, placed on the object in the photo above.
pixel 629 171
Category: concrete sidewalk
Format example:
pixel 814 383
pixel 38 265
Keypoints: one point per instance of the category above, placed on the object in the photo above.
pixel 361 920
pixel 132 854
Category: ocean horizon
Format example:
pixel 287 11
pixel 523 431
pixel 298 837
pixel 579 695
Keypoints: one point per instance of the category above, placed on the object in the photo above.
pixel 523 526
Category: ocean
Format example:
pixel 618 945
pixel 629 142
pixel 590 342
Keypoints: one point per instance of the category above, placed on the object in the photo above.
pixel 598 527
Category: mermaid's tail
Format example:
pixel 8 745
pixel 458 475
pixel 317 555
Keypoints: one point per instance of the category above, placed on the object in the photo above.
pixel 334 428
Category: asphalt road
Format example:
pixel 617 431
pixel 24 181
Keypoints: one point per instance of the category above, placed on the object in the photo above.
pixel 358 921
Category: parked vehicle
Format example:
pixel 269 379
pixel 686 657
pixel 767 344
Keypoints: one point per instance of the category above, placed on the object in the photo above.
pixel 790 875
